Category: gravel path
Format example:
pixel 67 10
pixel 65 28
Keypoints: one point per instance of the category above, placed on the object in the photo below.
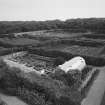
pixel 97 90
pixel 11 100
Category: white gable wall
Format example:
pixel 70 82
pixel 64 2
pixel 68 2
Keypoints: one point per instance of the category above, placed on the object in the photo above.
pixel 77 63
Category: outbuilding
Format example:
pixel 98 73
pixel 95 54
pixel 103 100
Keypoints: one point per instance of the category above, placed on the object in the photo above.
pixel 76 63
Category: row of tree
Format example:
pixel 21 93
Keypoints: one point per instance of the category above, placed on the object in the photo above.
pixel 87 24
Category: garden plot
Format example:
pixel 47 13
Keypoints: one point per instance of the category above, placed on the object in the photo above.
pixel 30 62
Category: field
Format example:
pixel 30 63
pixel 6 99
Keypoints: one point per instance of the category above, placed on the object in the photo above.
pixel 88 45
pixel 95 36
pixel 71 43
pixel 32 38
pixel 18 41
pixel 49 33
pixel 75 49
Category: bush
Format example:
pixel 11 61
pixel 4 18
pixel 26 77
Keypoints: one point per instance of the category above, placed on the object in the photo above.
pixel 30 97
pixel 85 72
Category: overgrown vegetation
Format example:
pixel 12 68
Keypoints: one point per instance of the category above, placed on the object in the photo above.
pixel 35 89
pixel 74 25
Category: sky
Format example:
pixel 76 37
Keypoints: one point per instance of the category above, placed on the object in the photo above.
pixel 40 10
